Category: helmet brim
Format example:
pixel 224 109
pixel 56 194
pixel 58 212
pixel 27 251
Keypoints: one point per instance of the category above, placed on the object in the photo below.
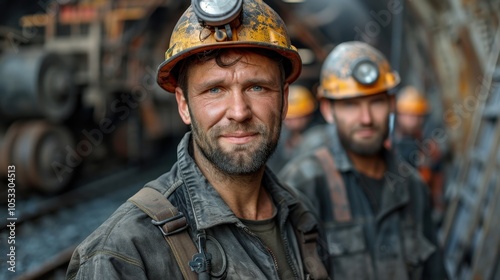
pixel 167 80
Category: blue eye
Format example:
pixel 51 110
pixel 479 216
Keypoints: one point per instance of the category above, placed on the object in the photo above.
pixel 214 90
pixel 257 88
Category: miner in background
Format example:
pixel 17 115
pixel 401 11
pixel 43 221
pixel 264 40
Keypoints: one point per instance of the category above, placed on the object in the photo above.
pixel 374 207
pixel 410 142
pixel 302 105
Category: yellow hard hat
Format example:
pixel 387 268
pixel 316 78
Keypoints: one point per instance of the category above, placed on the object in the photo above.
pixel 355 69
pixel 411 101
pixel 301 102
pixel 252 24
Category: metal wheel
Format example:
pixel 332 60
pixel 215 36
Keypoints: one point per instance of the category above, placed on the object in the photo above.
pixel 40 154
pixel 36 83
pixel 6 147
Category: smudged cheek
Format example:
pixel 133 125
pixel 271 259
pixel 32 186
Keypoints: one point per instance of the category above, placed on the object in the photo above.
pixel 209 115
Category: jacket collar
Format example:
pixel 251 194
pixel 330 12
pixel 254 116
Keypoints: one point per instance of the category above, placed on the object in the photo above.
pixel 208 208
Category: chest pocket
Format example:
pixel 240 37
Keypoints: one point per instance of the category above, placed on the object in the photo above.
pixel 348 253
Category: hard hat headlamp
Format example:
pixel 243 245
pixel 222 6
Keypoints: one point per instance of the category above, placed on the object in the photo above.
pixel 365 72
pixel 217 12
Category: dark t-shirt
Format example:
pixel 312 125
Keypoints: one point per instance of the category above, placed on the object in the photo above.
pixel 268 231
pixel 372 188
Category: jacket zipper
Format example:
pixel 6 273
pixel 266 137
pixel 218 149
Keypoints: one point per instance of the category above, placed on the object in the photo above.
pixel 275 262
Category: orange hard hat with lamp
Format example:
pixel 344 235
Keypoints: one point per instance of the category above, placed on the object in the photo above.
pixel 217 24
pixel 355 69
pixel 301 102
pixel 411 101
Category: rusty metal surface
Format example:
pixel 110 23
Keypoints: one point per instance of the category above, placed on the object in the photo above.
pixel 39 149
pixel 7 144
pixel 35 148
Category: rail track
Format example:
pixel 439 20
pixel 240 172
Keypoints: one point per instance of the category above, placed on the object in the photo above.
pixel 48 229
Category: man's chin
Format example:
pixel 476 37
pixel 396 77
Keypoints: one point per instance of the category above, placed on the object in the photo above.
pixel 366 149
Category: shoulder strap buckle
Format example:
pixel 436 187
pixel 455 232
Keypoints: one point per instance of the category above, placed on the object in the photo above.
pixel 170 221
pixel 311 236
pixel 171 225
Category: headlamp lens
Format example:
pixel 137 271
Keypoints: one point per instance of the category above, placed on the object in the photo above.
pixel 365 72
pixel 217 12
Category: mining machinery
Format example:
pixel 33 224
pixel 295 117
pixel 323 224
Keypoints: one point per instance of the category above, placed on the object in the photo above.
pixel 78 92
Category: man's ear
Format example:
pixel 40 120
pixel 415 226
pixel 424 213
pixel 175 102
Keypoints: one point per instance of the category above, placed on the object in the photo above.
pixel 182 106
pixel 326 108
pixel 285 101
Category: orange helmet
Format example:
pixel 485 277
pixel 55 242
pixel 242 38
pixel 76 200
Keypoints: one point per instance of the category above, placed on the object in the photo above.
pixel 227 24
pixel 301 102
pixel 411 101
pixel 355 69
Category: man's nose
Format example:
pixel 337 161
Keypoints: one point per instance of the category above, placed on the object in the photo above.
pixel 239 108
pixel 366 114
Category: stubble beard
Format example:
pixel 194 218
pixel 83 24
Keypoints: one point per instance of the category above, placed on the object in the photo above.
pixel 245 159
pixel 363 149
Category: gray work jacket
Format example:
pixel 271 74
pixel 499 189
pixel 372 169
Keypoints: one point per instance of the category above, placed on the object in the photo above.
pixel 399 242
pixel 129 246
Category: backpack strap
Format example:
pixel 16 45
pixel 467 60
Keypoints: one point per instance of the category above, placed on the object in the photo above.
pixel 306 231
pixel 172 225
pixel 338 193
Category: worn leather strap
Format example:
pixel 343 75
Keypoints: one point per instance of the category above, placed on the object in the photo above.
pixel 338 193
pixel 309 249
pixel 160 209
pixel 306 232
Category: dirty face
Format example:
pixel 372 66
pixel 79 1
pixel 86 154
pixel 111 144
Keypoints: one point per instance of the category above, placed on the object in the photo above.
pixel 235 110
pixel 362 123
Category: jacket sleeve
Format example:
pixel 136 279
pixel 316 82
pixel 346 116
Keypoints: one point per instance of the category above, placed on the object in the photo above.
pixel 434 266
pixel 126 246
pixel 305 175
pixel 108 265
